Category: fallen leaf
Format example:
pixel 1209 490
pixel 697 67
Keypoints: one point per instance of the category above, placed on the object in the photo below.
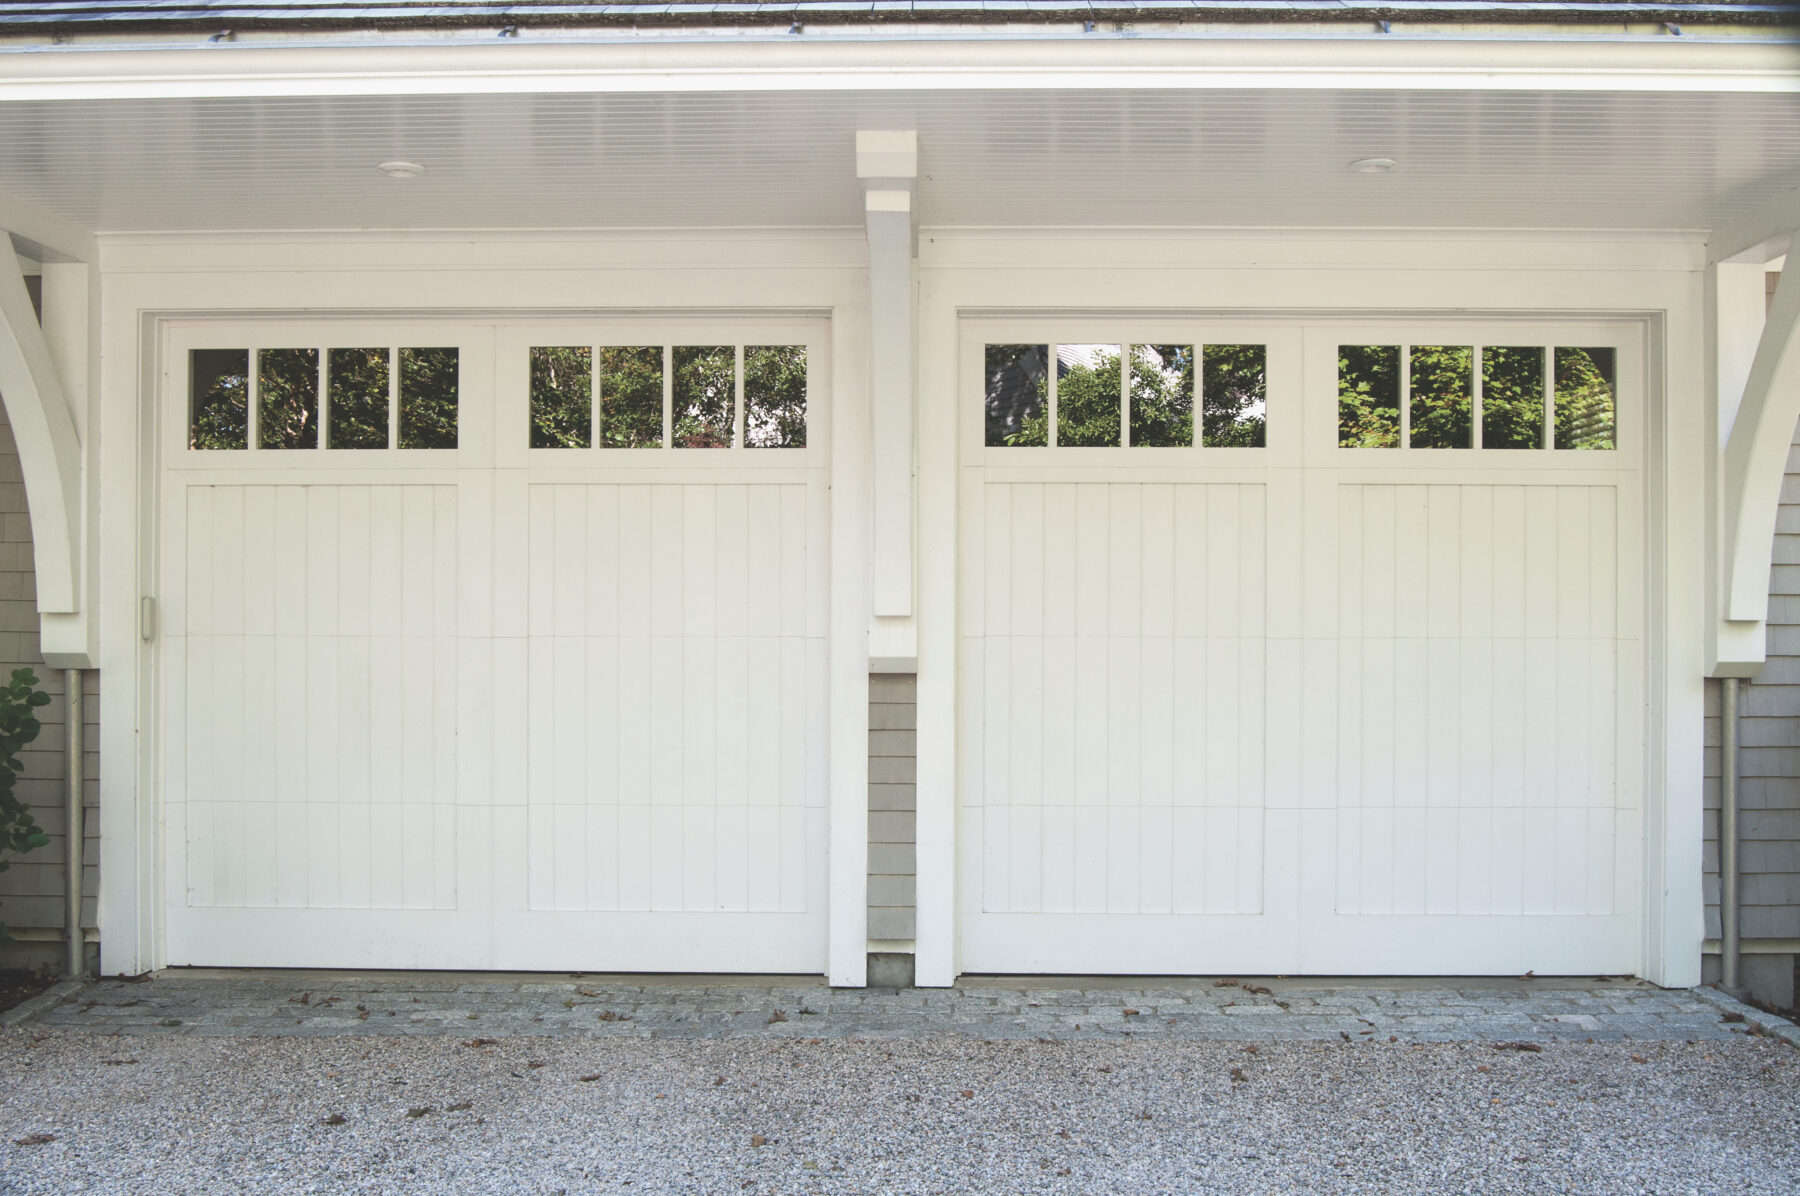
pixel 587 1079
pixel 1484 1068
pixel 420 1111
pixel 1250 1050
pixel 1731 1017
pixel 1130 1012
pixel 717 1080
pixel 1143 1117
pixel 1529 1047
pixel 611 1015
pixel 34 1140
pixel 1062 1133
pixel 334 1119
pixel 534 1064
pixel 1063 1171
pixel 1238 1076
pixel 758 1140
pixel 776 1016
pixel 1639 1059
pixel 968 1094
pixel 117 1062
pixel 302 999
pixel 1224 984
pixel 461 1106
pixel 1258 989
pixel 479 1042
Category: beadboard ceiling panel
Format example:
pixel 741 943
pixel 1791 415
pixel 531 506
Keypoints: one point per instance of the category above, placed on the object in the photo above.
pixel 1263 157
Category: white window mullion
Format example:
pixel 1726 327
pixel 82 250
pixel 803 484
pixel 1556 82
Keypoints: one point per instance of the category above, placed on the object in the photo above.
pixel 324 399
pixel 1406 396
pixel 1549 396
pixel 1475 393
pixel 594 424
pixel 393 438
pixel 1125 394
pixel 668 431
pixel 737 384
pixel 1199 352
pixel 253 400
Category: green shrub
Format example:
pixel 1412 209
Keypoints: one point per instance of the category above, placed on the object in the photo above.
pixel 19 831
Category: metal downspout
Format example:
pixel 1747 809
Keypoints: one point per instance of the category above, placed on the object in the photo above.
pixel 1730 948
pixel 77 962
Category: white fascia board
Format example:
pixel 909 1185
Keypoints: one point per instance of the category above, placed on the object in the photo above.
pixel 977 60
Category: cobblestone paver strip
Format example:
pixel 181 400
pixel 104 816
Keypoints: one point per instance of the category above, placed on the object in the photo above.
pixel 331 1003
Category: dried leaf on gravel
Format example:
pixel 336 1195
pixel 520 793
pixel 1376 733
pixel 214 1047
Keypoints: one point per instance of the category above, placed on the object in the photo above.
pixel 117 1062
pixel 758 1140
pixel 1238 1076
pixel 419 1111
pixel 302 999
pixel 480 1042
pixel 461 1106
pixel 1258 989
pixel 1731 1018
pixel 1225 984
pixel 611 1015
pixel 968 1094
pixel 1129 1012
pixel 334 1119
pixel 776 1016
pixel 1528 1047
pixel 587 1079
pixel 34 1140
pixel 1484 1068
pixel 1639 1059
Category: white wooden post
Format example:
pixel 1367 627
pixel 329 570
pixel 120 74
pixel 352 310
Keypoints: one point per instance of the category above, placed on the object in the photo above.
pixel 887 163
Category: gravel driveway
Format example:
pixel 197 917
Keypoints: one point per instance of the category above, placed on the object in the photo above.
pixel 168 1113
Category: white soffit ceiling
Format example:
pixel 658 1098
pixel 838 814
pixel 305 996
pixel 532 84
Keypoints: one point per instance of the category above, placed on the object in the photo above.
pixel 1254 157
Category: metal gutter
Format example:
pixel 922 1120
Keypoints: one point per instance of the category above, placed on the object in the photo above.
pixel 1730 951
pixel 85 17
pixel 994 60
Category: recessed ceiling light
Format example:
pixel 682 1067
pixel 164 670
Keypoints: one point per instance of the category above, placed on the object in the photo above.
pixel 1374 165
pixel 398 169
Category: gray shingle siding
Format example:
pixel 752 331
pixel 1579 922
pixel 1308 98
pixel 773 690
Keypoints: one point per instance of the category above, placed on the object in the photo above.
pixel 893 802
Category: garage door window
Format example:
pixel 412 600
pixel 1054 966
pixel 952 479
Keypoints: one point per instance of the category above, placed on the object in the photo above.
pixel 1468 396
pixel 1091 400
pixel 375 397
pixel 668 396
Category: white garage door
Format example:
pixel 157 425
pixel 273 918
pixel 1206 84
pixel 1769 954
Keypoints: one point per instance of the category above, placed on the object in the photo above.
pixel 494 646
pixel 1300 649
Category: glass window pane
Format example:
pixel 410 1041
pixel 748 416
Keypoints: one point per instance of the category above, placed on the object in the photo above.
pixel 1018 395
pixel 1443 396
pixel 1234 396
pixel 631 396
pixel 705 396
pixel 1162 396
pixel 1369 396
pixel 428 383
pixel 219 398
pixel 1512 398
pixel 562 396
pixel 775 396
pixel 1087 396
pixel 1587 414
pixel 287 399
pixel 358 385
